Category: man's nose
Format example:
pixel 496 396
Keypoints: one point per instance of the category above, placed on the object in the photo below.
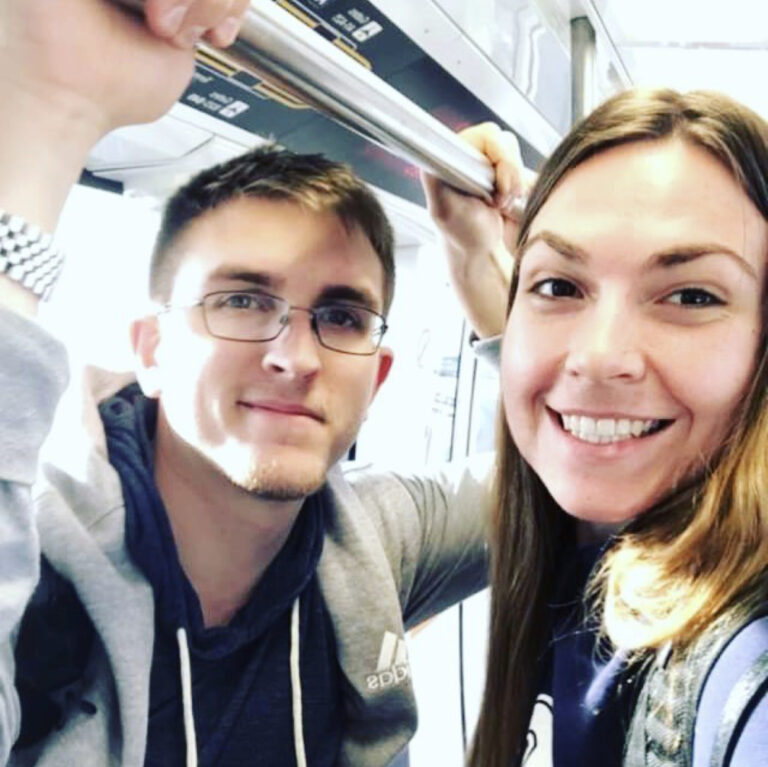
pixel 296 350
pixel 606 342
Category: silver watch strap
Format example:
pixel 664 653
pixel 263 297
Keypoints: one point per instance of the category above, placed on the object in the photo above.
pixel 28 255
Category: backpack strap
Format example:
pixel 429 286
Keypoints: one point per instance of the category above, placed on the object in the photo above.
pixel 662 728
pixel 745 695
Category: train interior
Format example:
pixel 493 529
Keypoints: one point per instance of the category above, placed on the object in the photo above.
pixel 530 65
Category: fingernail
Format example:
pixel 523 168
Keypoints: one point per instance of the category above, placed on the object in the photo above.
pixel 173 20
pixel 517 205
pixel 227 31
pixel 190 37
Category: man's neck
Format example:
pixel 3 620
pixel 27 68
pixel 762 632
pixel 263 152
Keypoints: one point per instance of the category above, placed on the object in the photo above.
pixel 226 537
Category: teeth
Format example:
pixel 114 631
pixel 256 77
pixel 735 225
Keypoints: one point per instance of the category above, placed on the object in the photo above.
pixel 606 427
pixel 605 430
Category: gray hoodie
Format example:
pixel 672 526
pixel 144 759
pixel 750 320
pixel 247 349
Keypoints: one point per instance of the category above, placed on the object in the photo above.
pixel 32 376
pixel 400 548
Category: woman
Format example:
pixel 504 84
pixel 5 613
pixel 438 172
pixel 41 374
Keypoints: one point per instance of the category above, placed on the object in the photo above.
pixel 630 555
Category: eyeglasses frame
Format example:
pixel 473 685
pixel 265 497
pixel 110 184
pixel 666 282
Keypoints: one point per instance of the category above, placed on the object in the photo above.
pixel 284 320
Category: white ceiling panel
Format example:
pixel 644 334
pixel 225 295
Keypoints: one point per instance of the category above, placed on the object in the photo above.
pixel 736 23
pixel 739 73
pixel 690 44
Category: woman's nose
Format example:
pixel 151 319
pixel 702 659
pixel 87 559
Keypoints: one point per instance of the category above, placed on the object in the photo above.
pixel 607 343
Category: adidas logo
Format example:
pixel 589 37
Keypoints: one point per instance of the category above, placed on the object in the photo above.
pixel 392 668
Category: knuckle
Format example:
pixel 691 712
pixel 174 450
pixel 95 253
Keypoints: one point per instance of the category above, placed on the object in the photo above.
pixel 209 12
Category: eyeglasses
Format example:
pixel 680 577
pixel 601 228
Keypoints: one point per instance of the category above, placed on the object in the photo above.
pixel 251 315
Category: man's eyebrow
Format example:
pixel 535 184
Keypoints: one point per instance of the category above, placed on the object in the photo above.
pixel 684 254
pixel 339 292
pixel 566 249
pixel 259 279
pixel 348 293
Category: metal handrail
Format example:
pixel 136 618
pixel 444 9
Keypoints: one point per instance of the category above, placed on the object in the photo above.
pixel 278 48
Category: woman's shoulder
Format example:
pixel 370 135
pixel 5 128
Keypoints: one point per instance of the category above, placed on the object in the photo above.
pixel 732 714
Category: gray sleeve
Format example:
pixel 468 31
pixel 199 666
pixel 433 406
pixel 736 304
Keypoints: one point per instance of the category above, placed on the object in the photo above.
pixel 434 529
pixel 33 374
pixel 488 349
pixel 448 548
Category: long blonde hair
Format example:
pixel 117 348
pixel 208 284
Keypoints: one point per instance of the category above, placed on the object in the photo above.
pixel 683 563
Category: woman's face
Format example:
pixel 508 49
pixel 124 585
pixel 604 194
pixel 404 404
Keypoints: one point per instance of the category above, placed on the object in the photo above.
pixel 634 331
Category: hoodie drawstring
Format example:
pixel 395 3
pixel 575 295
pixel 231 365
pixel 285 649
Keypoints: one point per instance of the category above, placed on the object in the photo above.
pixel 186 693
pixel 186 698
pixel 298 728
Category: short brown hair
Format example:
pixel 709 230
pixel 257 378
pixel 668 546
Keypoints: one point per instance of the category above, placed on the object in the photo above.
pixel 273 173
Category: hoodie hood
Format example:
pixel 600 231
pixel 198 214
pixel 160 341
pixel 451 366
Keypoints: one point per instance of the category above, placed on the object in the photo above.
pixel 130 420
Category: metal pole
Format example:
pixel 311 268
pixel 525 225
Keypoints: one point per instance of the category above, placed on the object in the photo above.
pixel 598 24
pixel 582 68
pixel 278 48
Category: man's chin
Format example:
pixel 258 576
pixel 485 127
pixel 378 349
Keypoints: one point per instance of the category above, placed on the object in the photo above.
pixel 272 491
pixel 274 481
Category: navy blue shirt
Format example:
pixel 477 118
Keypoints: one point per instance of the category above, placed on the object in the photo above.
pixel 592 690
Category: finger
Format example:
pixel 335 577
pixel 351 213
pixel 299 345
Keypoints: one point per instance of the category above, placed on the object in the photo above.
pixel 166 17
pixel 529 178
pixel 512 209
pixel 202 17
pixel 503 152
pixel 185 22
pixel 513 205
pixel 440 196
pixel 431 186
pixel 226 32
pixel 509 168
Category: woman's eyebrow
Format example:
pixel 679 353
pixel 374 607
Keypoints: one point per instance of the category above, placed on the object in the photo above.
pixel 669 257
pixel 684 254
pixel 567 249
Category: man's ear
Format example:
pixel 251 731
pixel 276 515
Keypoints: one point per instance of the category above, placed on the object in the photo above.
pixel 386 358
pixel 145 336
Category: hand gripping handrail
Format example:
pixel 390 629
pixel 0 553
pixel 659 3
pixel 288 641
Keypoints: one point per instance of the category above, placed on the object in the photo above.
pixel 278 48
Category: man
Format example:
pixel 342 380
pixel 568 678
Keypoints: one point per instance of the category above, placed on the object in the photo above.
pixel 240 597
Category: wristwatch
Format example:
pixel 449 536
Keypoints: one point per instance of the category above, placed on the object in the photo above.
pixel 28 255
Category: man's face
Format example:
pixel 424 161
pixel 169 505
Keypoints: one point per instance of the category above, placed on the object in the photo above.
pixel 272 416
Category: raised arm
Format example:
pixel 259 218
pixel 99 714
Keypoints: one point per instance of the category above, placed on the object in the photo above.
pixel 68 74
pixel 73 70
pixel 478 238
